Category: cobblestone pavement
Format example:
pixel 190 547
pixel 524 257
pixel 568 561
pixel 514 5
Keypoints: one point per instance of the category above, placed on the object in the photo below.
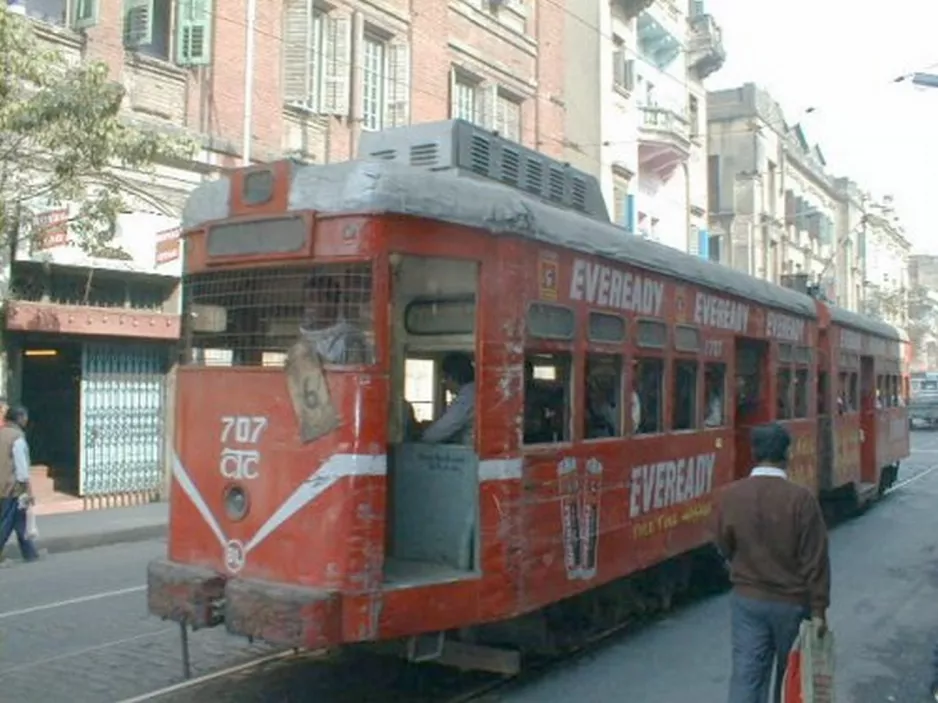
pixel 75 629
pixel 57 647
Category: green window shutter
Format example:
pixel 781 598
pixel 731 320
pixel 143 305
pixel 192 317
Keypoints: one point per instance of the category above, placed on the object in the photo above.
pixel 194 32
pixel 85 14
pixel 299 57
pixel 138 23
pixel 398 89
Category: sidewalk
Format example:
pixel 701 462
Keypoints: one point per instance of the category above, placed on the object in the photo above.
pixel 68 532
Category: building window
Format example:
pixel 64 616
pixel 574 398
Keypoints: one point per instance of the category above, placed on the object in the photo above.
pixel 508 118
pixel 77 14
pixel 374 79
pixel 304 54
pixel 620 197
pixel 623 68
pixel 693 109
pixel 465 101
pixel 148 29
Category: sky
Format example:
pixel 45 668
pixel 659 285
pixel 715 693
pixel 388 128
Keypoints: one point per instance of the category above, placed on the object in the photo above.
pixel 841 57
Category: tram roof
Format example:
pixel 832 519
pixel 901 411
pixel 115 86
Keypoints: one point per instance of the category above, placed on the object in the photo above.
pixel 381 187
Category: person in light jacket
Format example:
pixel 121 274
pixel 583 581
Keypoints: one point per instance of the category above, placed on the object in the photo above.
pixel 15 489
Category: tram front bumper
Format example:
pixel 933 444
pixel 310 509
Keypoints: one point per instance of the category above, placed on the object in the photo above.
pixel 293 616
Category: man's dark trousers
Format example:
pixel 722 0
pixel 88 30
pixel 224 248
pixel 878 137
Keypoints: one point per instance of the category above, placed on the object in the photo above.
pixel 12 519
pixel 763 634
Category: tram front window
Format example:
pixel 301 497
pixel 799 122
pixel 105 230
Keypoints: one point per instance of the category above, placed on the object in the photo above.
pixel 252 317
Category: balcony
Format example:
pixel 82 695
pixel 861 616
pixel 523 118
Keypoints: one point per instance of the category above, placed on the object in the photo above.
pixel 664 141
pixel 705 52
pixel 657 45
pixel 632 8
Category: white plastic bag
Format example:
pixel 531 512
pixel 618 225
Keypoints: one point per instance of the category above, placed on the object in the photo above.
pixel 32 530
pixel 809 676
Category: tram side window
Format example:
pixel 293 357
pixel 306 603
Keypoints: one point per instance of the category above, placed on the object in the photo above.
pixel 684 408
pixel 801 393
pixel 822 389
pixel 882 392
pixel 603 393
pixel 843 393
pixel 853 393
pixel 547 398
pixel 648 385
pixel 784 391
pixel 714 395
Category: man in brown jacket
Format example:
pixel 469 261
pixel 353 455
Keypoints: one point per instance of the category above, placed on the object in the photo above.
pixel 772 533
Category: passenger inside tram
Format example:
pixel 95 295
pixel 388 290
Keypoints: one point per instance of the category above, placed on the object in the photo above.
pixel 747 395
pixel 545 401
pixel 325 324
pixel 713 383
pixel 648 375
pixel 602 391
pixel 455 425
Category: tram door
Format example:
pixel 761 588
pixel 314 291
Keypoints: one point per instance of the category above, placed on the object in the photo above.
pixel 753 395
pixel 868 467
pixel 825 429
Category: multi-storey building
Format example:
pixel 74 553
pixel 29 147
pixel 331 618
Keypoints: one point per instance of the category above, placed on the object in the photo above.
pixel 886 259
pixel 775 210
pixel 298 77
pixel 639 123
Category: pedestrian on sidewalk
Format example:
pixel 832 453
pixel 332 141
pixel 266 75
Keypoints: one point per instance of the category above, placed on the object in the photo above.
pixel 15 490
pixel 772 533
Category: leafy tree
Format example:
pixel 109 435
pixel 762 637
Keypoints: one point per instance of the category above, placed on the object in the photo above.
pixel 63 139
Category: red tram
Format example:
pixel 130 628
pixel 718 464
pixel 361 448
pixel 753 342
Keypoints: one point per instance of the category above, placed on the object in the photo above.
pixel 305 512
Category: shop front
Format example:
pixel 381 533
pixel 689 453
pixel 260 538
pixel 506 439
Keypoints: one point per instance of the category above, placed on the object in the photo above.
pixel 91 344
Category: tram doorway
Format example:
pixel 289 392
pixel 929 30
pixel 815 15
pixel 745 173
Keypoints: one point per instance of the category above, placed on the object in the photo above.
pixel 51 377
pixel 753 396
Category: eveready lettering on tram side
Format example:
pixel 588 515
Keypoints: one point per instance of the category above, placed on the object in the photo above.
pixel 721 313
pixel 784 327
pixel 667 483
pixel 610 288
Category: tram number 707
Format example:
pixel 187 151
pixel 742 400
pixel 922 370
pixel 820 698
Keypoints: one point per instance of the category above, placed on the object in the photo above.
pixel 243 429
pixel 242 461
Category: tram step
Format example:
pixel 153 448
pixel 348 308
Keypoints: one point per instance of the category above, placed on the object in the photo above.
pixel 866 493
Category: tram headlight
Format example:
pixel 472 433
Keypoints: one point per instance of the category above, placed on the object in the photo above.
pixel 236 502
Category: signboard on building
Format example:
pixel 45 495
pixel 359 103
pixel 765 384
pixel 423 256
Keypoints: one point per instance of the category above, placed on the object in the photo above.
pixel 143 242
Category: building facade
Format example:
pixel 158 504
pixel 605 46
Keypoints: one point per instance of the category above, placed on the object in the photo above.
pixel 639 125
pixel 775 210
pixel 322 73
pixel 886 254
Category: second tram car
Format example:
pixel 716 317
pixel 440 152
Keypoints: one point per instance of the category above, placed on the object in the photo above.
pixel 615 384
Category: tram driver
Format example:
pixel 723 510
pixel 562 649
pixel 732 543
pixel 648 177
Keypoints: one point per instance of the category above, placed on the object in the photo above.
pixel 455 425
pixel 325 327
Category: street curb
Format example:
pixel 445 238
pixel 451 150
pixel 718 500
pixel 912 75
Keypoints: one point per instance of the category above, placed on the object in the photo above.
pixel 72 543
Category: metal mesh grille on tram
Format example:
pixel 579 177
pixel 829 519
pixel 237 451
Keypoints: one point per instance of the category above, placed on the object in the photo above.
pixel 251 317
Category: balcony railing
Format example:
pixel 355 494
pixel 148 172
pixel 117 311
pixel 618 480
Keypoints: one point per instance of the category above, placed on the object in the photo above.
pixel 705 51
pixel 666 122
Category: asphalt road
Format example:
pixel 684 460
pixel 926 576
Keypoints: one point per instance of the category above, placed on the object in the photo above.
pixel 75 628
pixel 883 615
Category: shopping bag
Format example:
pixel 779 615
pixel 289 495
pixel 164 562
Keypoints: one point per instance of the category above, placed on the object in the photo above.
pixel 809 675
pixel 32 530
